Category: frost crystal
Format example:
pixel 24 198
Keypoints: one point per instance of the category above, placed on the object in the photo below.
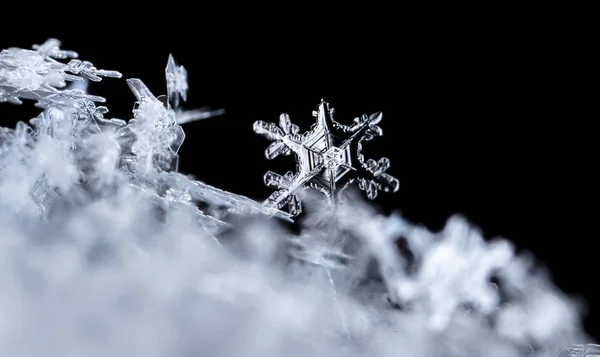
pixel 329 158
pixel 152 137
pixel 36 74
pixel 176 82
pixel 581 351
pixel 177 86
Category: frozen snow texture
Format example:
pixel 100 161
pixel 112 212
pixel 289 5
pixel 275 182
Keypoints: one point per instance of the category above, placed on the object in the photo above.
pixel 122 262
pixel 329 158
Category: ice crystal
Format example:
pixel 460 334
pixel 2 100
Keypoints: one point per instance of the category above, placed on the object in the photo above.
pixel 329 158
pixel 581 351
pixel 102 238
pixel 177 87
pixel 152 137
pixel 36 74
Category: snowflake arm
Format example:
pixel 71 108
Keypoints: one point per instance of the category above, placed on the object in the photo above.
pixel 87 70
pixel 285 136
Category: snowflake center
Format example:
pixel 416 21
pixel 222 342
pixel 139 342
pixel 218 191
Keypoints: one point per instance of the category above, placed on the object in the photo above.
pixel 333 157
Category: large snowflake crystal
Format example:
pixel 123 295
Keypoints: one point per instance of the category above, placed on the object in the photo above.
pixel 329 158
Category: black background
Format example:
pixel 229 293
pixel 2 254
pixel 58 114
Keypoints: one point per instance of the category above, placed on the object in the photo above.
pixel 485 120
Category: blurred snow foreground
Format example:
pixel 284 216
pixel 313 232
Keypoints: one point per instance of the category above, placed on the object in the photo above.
pixel 105 252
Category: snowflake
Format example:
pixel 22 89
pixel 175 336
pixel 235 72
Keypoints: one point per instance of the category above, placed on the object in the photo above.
pixel 329 158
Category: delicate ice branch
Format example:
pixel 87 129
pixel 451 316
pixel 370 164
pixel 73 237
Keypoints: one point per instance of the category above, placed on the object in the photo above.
pixel 37 75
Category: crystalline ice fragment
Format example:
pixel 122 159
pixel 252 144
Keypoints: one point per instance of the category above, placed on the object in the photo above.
pixel 152 138
pixel 19 137
pixel 177 85
pixel 178 199
pixel 37 75
pixel 329 158
pixel 236 204
pixel 43 194
pixel 580 351
pixel 177 195
pixel 86 70
pixel 51 48
pixel 150 108
pixel 188 116
pixel 313 248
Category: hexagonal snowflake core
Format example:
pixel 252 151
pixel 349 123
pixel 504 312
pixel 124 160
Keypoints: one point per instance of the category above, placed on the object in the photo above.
pixel 333 157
